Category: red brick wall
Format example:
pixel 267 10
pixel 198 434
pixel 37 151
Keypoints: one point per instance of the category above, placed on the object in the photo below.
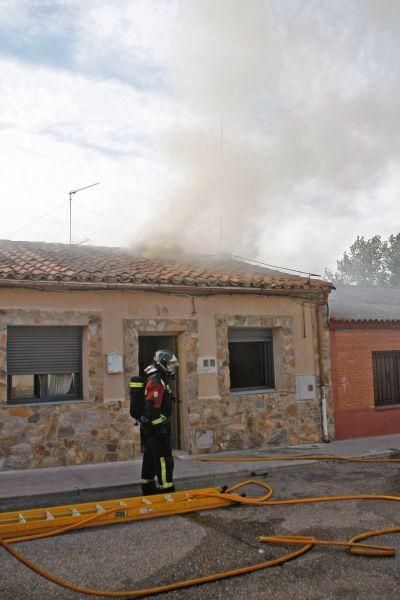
pixel 353 386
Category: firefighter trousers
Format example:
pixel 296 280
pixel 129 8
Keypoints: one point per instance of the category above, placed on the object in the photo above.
pixel 158 461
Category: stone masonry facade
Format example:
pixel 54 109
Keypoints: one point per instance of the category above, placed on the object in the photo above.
pixel 64 433
pixel 251 420
pixel 95 430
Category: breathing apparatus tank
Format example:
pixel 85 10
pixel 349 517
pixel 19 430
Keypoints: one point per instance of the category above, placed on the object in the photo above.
pixel 136 394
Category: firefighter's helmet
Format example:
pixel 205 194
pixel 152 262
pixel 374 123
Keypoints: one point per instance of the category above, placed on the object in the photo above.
pixel 166 360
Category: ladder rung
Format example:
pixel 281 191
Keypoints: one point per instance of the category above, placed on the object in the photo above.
pixel 34 521
pixel 145 510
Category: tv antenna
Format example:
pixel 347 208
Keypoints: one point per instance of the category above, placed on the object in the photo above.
pixel 70 206
pixel 221 182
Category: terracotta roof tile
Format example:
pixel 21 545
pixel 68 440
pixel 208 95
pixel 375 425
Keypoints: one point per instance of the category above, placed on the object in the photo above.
pixel 103 265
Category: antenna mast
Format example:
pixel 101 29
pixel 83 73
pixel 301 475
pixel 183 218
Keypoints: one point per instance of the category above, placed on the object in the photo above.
pixel 70 206
pixel 221 171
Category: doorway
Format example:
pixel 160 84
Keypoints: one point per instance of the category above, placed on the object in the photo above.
pixel 148 345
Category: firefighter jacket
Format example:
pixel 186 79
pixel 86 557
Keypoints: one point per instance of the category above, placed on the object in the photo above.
pixel 157 399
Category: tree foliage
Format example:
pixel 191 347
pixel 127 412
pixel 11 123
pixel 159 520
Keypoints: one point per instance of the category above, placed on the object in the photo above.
pixel 368 262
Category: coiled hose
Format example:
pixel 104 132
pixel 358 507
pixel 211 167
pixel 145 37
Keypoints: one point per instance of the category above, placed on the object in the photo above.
pixel 306 543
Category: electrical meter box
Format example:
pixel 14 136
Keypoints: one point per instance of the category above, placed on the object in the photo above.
pixel 114 362
pixel 306 387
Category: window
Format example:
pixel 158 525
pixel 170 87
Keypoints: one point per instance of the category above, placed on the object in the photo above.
pixel 386 369
pixel 251 360
pixel 44 364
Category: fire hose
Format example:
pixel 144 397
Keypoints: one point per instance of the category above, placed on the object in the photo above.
pixel 355 545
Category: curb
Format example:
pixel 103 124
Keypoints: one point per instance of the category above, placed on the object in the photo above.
pixel 78 495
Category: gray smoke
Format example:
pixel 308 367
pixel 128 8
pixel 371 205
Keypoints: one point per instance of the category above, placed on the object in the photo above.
pixel 289 115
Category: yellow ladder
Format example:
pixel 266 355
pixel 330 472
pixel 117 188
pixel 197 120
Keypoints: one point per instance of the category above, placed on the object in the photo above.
pixel 41 520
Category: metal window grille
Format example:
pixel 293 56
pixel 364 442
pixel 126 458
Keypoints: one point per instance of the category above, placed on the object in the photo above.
pixel 386 372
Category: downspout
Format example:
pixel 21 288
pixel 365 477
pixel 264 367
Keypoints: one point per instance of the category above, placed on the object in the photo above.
pixel 322 374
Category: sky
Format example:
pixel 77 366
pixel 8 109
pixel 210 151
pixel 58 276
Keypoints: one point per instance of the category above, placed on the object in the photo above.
pixel 267 129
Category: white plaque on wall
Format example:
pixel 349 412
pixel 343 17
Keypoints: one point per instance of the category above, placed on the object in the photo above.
pixel 114 362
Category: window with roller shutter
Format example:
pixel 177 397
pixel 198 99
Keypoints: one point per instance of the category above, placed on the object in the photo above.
pixel 44 364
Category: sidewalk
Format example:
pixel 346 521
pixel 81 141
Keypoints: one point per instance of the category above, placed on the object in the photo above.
pixel 84 483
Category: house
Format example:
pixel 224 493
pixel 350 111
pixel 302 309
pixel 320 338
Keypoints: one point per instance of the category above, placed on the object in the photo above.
pixel 76 322
pixel 365 352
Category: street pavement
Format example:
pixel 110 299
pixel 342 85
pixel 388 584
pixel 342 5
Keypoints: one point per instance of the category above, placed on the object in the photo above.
pixel 84 483
pixel 144 554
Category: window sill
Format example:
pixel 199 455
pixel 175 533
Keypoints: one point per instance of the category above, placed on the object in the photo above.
pixel 252 391
pixel 387 407
pixel 48 403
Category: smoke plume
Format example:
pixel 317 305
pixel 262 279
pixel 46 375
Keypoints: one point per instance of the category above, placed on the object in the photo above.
pixel 287 119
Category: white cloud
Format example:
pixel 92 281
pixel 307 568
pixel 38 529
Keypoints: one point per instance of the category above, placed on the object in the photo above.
pixel 308 95
pixel 35 98
pixel 61 131
pixel 131 40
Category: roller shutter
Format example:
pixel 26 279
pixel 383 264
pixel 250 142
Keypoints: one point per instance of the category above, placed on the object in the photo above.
pixel 249 335
pixel 40 350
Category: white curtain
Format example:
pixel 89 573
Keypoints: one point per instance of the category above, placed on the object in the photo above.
pixel 59 383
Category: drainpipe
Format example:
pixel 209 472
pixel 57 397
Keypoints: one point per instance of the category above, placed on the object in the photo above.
pixel 322 375
pixel 324 415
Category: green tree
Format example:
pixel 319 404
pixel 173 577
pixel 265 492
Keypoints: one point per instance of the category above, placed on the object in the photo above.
pixel 392 260
pixel 369 262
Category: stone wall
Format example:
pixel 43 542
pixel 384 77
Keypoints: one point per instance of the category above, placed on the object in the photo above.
pixel 250 420
pixel 63 433
pixel 97 430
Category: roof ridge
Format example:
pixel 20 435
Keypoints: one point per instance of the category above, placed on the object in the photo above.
pixel 54 261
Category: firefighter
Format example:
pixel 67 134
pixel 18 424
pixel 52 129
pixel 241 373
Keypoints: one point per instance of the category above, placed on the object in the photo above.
pixel 151 405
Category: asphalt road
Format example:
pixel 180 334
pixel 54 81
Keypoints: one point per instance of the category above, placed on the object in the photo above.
pixel 144 554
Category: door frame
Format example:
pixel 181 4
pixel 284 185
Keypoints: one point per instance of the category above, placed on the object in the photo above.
pixel 178 412
pixel 186 331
